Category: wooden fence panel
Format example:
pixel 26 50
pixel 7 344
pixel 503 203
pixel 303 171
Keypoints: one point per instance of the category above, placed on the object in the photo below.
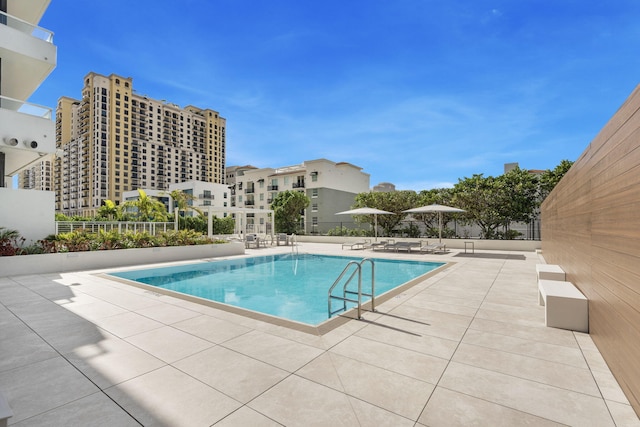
pixel 591 227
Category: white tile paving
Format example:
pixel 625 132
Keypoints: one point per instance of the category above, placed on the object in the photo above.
pixel 466 346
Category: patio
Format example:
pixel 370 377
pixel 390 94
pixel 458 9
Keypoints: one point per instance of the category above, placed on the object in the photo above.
pixel 466 346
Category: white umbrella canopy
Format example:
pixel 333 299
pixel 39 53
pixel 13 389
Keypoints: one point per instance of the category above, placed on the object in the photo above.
pixel 435 208
pixel 368 211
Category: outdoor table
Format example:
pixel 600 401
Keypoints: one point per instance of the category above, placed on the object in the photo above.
pixel 473 248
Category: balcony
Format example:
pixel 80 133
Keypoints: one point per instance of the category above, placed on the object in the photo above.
pixel 27 134
pixel 272 188
pixel 28 56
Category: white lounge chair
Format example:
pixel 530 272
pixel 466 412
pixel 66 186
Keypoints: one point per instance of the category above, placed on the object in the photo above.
pixel 381 245
pixel 433 248
pixel 356 245
pixel 404 246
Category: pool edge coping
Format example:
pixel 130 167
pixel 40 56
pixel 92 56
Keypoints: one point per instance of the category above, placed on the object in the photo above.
pixel 319 330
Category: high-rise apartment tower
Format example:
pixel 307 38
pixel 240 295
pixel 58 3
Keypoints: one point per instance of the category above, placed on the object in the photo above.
pixel 114 140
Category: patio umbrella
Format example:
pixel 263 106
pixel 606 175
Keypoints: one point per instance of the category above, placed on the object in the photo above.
pixel 435 208
pixel 368 211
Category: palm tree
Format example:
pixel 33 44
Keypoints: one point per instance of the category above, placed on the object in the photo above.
pixel 147 208
pixel 109 210
pixel 181 202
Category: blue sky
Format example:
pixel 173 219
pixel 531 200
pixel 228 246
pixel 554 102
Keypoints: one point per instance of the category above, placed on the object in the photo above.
pixel 419 93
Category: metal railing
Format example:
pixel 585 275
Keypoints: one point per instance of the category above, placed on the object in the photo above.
pixel 122 226
pixel 344 298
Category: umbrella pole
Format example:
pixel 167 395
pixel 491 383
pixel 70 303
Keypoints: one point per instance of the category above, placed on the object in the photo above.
pixel 375 227
pixel 439 227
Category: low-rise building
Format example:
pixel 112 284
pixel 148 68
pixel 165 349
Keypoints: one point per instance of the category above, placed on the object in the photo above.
pixel 331 187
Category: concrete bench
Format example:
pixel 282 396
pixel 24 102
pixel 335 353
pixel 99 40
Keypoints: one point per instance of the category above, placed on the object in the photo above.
pixel 550 272
pixel 5 411
pixel 565 306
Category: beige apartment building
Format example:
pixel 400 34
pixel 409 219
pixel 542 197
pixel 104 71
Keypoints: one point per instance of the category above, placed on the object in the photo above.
pixel 331 187
pixel 114 140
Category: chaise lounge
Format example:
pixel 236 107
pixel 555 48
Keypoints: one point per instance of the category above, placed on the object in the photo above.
pixel 433 248
pixel 356 245
pixel 403 246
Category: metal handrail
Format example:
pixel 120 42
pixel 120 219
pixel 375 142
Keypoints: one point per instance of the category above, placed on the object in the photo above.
pixel 346 292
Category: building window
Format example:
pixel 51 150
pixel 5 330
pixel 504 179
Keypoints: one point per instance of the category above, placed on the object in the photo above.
pixel 314 192
pixel 314 207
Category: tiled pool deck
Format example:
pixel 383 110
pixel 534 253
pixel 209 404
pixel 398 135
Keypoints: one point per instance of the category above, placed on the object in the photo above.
pixel 467 346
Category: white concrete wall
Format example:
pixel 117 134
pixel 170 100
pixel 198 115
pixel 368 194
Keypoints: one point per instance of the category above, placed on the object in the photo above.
pixel 81 261
pixel 479 244
pixel 30 212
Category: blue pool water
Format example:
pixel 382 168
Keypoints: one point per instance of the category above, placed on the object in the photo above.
pixel 291 286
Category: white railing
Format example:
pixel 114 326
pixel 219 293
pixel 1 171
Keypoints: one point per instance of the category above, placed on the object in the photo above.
pixel 25 27
pixel 25 107
pixel 121 226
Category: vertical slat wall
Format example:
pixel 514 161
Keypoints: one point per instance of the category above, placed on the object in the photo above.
pixel 591 227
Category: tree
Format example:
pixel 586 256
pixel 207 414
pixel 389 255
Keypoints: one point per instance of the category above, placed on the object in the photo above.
pixel 287 208
pixel 517 193
pixel 550 178
pixel 477 196
pixel 182 202
pixel 147 208
pixel 109 211
pixel 393 201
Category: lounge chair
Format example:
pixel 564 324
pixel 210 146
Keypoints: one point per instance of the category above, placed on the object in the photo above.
pixel 433 248
pixel 381 245
pixel 356 245
pixel 405 246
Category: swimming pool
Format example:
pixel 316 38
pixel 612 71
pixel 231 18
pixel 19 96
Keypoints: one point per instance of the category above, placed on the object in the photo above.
pixel 289 286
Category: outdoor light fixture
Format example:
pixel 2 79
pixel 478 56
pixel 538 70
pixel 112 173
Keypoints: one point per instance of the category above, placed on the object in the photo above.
pixel 31 144
pixel 11 141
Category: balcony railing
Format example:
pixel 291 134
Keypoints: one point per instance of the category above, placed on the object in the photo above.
pixel 25 107
pixel 272 188
pixel 25 27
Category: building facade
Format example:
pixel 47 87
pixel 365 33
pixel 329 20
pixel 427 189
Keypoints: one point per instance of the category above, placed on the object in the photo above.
pixel 331 187
pixel 27 57
pixel 205 195
pixel 37 177
pixel 114 140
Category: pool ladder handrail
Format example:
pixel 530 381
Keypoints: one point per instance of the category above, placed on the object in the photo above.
pixel 346 292
pixel 294 245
